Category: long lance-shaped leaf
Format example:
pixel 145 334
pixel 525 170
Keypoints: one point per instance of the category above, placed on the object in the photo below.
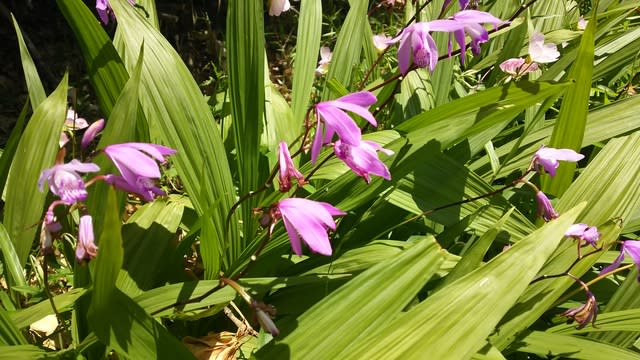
pixel 9 332
pixel 10 260
pixel 348 46
pixel 611 185
pixel 569 129
pixel 454 322
pixel 556 345
pixel 307 48
pixel 117 320
pixel 624 320
pixel 106 70
pixel 36 152
pixel 34 85
pixel 179 115
pixel 627 296
pixel 361 306
pixel 109 259
pixel 11 146
pixel 245 48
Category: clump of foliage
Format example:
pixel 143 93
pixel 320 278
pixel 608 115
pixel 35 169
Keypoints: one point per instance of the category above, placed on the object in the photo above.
pixel 461 182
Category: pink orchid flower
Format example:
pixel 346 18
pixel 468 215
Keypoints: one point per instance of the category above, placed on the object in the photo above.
pixel 138 167
pixel 548 159
pixel 363 159
pixel 287 169
pixel 308 220
pixel 336 121
pixel 65 182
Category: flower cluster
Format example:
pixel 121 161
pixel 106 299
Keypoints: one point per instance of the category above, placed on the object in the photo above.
pixel 417 46
pixel 138 174
pixel 309 220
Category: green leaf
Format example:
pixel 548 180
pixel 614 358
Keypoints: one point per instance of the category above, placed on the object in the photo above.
pixel 455 321
pixel 109 259
pixel 106 70
pixel 627 296
pixel 245 49
pixel 64 302
pixel 570 125
pixel 556 345
pixel 611 186
pixel 21 352
pixel 624 320
pixel 9 332
pixel 599 128
pixel 348 46
pixel 178 114
pixel 11 146
pixel 11 263
pixel 36 151
pixel 364 302
pixel 127 328
pixel 148 237
pixel 307 49
pixel 34 85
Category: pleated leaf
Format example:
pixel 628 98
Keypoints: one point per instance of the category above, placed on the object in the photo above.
pixel 307 50
pixel 361 306
pixel 556 345
pixel 455 321
pixel 9 332
pixel 10 262
pixel 611 186
pixel 178 113
pixel 106 70
pixel 36 151
pixel 245 49
pixel 568 131
pixel 348 47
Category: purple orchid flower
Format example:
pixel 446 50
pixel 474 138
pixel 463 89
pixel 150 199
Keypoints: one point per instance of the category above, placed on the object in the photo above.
pixel 91 133
pixel 336 121
pixel 471 21
pixel 287 169
pixel 86 248
pixel 418 47
pixel 363 159
pixel 545 209
pixel 65 182
pixel 584 233
pixel 105 12
pixel 548 158
pixel 585 313
pixel 309 220
pixel 137 165
pixel 630 247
